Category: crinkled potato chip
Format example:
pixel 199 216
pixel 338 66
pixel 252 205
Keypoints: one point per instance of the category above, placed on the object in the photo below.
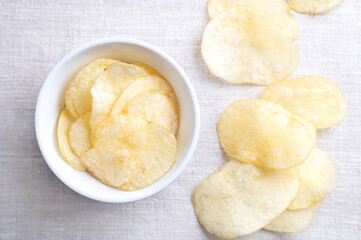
pixel 293 221
pixel 77 97
pixel 313 6
pixel 242 198
pixel 244 45
pixel 265 134
pixel 79 135
pixel 277 9
pixel 317 99
pixel 317 178
pixel 64 123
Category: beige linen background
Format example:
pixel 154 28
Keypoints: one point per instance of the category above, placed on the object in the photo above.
pixel 35 35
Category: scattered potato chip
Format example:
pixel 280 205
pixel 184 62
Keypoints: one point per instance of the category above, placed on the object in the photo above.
pixel 293 221
pixel 64 123
pixel 265 134
pixel 79 135
pixel 78 98
pixel 317 99
pixel 242 198
pixel 313 6
pixel 149 70
pixel 277 9
pixel 317 178
pixel 244 45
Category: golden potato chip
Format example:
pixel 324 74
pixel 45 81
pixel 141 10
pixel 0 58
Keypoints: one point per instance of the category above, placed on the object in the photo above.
pixel 242 198
pixel 293 221
pixel 277 9
pixel 108 87
pixel 313 6
pixel 317 99
pixel 79 135
pixel 244 45
pixel 64 123
pixel 149 70
pixel 265 134
pixel 77 97
pixel 317 178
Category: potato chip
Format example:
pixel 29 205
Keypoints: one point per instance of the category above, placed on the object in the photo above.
pixel 293 221
pixel 313 6
pixel 244 45
pixel 242 198
pixel 149 70
pixel 77 97
pixel 317 99
pixel 265 134
pixel 317 178
pixel 79 135
pixel 64 123
pixel 277 9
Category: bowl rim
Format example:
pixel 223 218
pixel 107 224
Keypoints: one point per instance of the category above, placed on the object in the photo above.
pixel 168 58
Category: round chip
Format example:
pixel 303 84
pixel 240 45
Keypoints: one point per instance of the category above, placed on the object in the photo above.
pixel 244 45
pixel 265 134
pixel 293 221
pixel 149 70
pixel 64 123
pixel 317 178
pixel 317 99
pixel 242 198
pixel 79 135
pixel 277 9
pixel 77 97
pixel 313 6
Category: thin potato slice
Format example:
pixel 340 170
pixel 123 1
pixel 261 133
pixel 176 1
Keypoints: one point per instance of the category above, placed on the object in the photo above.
pixel 242 198
pixel 277 9
pixel 77 97
pixel 244 45
pixel 317 99
pixel 149 70
pixel 293 221
pixel 317 178
pixel 265 134
pixel 313 6
pixel 64 123
pixel 79 135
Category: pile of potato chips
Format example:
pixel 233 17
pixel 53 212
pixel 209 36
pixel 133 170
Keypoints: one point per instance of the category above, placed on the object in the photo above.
pixel 120 124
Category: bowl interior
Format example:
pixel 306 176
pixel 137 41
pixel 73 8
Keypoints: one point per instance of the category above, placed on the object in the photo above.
pixel 51 102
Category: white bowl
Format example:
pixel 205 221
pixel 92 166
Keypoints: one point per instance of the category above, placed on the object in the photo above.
pixel 51 102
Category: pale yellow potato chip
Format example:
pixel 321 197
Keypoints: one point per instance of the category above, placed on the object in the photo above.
pixel 293 221
pixel 317 178
pixel 154 107
pixel 313 6
pixel 317 99
pixel 64 123
pixel 242 198
pixel 277 9
pixel 148 69
pixel 79 135
pixel 244 45
pixel 265 134
pixel 108 87
pixel 77 97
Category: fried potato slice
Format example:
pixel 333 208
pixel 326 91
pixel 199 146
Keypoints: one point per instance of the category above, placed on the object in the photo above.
pixel 244 45
pixel 317 99
pixel 293 221
pixel 277 9
pixel 77 97
pixel 79 135
pixel 313 6
pixel 151 71
pixel 242 198
pixel 317 178
pixel 64 123
pixel 265 134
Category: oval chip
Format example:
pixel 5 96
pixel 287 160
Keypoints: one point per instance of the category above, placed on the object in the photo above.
pixel 242 198
pixel 313 6
pixel 79 135
pixel 317 99
pixel 265 134
pixel 244 45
